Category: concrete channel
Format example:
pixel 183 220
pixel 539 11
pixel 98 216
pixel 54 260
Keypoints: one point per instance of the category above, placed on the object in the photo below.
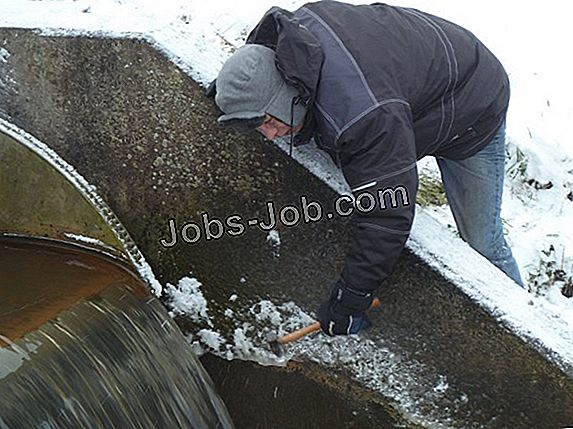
pixel 141 131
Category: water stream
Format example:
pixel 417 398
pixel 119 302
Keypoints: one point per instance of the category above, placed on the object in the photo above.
pixel 83 345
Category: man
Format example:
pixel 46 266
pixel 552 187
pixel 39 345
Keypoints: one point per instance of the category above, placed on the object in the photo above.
pixel 379 87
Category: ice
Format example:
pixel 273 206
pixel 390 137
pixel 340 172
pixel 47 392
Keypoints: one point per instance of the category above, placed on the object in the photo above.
pixel 211 338
pixel 4 55
pixel 187 299
pixel 85 239
pixel 274 240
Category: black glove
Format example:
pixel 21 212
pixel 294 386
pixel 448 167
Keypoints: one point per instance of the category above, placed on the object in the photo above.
pixel 344 311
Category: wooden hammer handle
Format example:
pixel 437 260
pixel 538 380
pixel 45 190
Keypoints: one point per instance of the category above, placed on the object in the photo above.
pixel 299 333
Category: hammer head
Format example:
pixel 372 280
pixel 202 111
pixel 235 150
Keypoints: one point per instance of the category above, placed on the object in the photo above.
pixel 276 346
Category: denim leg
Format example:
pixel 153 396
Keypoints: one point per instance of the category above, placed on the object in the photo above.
pixel 474 187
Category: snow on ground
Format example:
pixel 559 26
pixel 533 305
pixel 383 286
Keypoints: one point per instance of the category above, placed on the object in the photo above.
pixel 531 41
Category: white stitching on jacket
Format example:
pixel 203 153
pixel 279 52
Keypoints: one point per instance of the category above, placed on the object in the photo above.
pixel 386 176
pixel 456 72
pixel 449 89
pixel 360 73
pixel 367 111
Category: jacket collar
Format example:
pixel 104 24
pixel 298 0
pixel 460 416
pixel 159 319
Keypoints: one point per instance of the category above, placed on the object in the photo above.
pixel 299 58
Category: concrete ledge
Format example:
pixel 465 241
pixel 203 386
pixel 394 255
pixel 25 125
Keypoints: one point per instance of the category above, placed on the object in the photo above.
pixel 37 199
pixel 42 195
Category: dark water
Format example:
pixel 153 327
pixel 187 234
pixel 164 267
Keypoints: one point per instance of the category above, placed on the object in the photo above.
pixel 82 345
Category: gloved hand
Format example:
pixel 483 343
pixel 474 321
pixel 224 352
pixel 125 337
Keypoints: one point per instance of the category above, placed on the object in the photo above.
pixel 344 311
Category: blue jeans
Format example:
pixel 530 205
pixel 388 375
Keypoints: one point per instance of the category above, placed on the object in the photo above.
pixel 473 187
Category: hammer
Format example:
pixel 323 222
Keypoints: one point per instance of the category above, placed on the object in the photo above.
pixel 277 344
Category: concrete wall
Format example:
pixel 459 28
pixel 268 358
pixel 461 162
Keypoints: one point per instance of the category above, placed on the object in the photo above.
pixel 36 199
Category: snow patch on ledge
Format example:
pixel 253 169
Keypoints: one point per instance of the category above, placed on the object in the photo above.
pixel 530 317
pixel 187 299
pixel 4 55
pixel 378 364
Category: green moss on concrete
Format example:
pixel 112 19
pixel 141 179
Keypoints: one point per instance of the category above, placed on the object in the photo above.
pixel 36 199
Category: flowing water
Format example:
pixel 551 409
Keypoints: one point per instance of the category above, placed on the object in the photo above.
pixel 83 345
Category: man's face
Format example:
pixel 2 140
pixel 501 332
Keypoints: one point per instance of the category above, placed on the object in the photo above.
pixel 273 128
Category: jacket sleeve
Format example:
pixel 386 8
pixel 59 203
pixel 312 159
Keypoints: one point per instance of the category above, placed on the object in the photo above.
pixel 378 159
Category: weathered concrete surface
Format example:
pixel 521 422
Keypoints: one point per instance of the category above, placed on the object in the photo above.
pixel 142 132
pixel 36 199
pixel 297 396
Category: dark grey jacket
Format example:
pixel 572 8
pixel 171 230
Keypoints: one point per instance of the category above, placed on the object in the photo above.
pixel 385 86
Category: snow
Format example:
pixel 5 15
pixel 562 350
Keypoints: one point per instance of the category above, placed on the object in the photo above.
pixel 376 364
pixel 274 240
pixel 442 385
pixel 4 55
pixel 266 311
pixel 211 338
pixel 187 298
pixel 243 347
pixel 89 240
pixel 530 316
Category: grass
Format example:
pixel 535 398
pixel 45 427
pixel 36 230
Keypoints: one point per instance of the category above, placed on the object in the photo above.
pixel 431 192
pixel 550 273
pixel 516 163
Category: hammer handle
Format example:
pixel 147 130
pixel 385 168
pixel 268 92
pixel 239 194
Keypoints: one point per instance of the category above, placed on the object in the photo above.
pixel 299 333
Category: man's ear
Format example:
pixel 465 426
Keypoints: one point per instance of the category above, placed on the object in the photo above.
pixel 211 89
